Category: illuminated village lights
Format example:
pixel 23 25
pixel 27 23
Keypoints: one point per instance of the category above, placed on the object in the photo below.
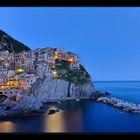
pixel 56 56
pixel 71 59
pixel 13 83
pixel 6 64
pixel 1 87
pixel 20 70
pixel 32 63
pixel 54 72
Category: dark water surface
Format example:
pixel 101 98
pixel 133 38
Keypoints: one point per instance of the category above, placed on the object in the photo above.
pixel 84 116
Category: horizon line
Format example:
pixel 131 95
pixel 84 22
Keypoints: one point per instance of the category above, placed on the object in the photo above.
pixel 115 80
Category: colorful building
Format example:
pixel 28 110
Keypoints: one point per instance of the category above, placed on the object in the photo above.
pixel 21 70
pixel 75 65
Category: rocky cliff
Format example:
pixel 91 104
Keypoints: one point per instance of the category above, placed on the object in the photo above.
pixel 57 89
pixel 43 91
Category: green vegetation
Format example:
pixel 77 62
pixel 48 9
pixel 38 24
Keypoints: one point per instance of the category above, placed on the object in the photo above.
pixel 12 45
pixel 64 72
pixel 19 47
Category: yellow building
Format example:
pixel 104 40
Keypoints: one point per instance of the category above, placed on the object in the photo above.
pixel 13 83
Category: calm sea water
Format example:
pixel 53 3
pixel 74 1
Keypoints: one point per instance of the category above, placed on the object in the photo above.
pixel 84 116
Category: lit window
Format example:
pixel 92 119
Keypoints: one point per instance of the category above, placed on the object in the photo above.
pixel 56 57
pixel 20 70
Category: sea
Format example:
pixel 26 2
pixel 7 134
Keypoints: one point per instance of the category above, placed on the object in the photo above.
pixel 85 115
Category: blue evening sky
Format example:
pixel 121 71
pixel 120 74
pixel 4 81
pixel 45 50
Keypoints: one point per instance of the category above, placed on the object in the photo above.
pixel 107 39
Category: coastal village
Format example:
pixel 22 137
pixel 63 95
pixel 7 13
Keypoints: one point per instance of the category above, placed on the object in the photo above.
pixel 19 71
pixel 30 78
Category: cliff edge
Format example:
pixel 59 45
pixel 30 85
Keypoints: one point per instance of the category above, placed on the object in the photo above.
pixel 56 89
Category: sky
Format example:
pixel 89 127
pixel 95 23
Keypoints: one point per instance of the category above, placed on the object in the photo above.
pixel 107 39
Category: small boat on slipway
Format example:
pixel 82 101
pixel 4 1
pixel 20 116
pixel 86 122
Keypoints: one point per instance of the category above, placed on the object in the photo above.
pixel 52 111
pixel 77 100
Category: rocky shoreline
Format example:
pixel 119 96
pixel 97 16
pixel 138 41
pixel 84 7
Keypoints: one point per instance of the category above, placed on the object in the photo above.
pixel 120 104
pixel 99 97
pixel 44 91
pixel 12 114
pixel 53 90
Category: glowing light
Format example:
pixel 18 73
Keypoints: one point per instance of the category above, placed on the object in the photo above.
pixel 56 57
pixel 20 70
pixel 71 60
pixel 54 72
pixel 6 64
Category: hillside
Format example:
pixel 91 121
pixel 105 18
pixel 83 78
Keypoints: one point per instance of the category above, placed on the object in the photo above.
pixel 79 76
pixel 10 44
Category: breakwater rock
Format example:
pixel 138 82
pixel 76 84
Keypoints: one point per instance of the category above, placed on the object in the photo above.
pixel 121 104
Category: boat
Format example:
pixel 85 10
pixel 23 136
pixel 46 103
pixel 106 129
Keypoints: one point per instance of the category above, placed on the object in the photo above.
pixel 77 100
pixel 52 111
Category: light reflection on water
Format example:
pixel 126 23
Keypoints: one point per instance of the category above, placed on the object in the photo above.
pixel 83 116
pixel 7 126
pixel 55 123
pixel 64 121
